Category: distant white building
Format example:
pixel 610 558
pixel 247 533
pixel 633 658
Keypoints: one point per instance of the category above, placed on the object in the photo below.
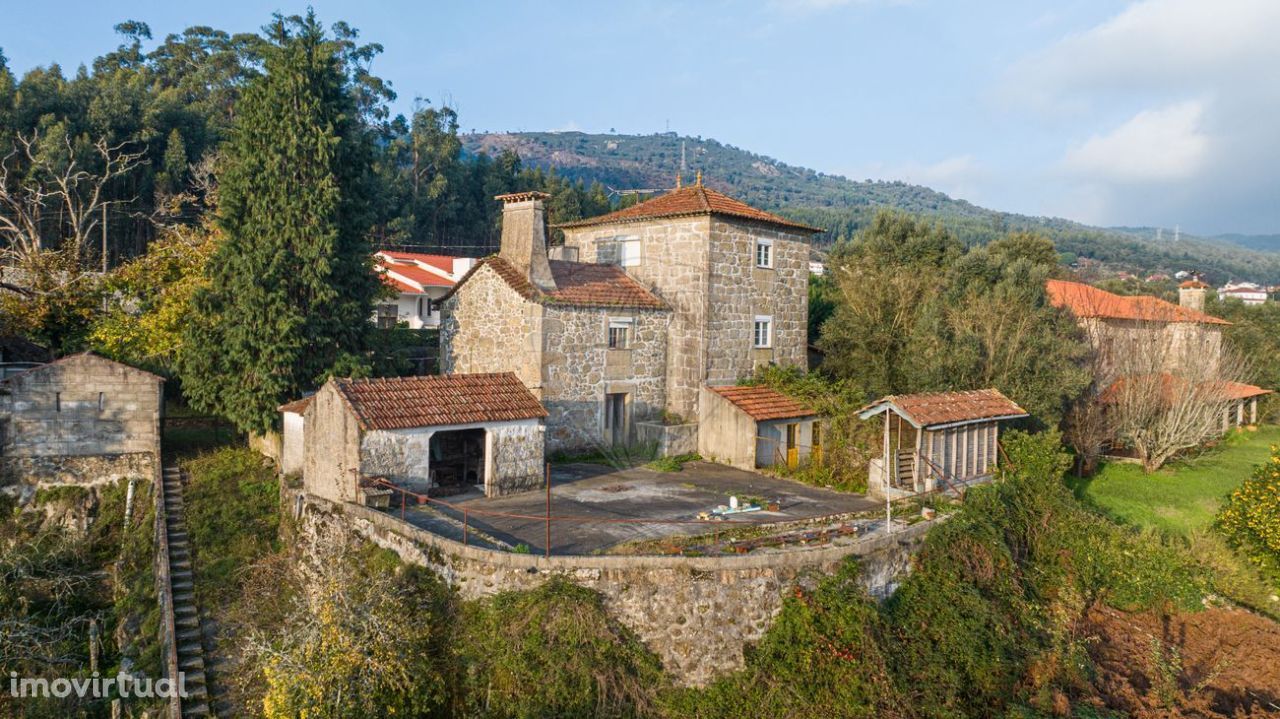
pixel 1247 292
pixel 420 280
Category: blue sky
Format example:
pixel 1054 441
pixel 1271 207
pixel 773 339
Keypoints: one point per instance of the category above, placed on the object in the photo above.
pixel 1159 112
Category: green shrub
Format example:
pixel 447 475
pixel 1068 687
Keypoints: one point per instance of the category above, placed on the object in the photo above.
pixel 673 464
pixel 553 651
pixel 232 514
pixel 1250 519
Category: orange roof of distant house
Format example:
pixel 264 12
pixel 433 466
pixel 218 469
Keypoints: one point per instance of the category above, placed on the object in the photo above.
pixel 414 273
pixel 581 284
pixel 930 409
pixel 690 201
pixel 433 401
pixel 1227 389
pixel 762 403
pixel 442 262
pixel 1088 301
pixel 1193 285
pixel 397 285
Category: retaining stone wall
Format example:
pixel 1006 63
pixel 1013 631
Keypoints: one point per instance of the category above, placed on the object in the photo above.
pixel 696 613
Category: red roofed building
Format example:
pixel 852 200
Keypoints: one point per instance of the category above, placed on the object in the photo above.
pixel 750 427
pixel 1118 326
pixel 635 314
pixel 937 440
pixel 420 281
pixel 437 435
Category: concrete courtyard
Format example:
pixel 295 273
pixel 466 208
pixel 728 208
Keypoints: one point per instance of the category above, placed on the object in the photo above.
pixel 653 504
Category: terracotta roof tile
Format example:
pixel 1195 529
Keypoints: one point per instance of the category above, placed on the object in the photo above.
pixel 689 201
pixel 1087 301
pixel 440 262
pixel 763 403
pixel 928 409
pixel 298 406
pixel 405 402
pixel 581 284
pixel 1229 390
pixel 1194 285
pixel 413 273
pixel 397 285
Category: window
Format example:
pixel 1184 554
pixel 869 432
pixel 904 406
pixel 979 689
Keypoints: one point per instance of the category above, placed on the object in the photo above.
pixel 763 337
pixel 102 401
pixel 57 401
pixel 420 308
pixel 386 317
pixel 619 333
pixel 624 251
pixel 615 417
pixel 764 253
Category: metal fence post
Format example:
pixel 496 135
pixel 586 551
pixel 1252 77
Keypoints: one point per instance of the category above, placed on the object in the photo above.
pixel 464 527
pixel 548 471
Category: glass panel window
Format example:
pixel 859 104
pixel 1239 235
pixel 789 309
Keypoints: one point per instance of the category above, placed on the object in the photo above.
pixel 624 251
pixel 763 335
pixel 764 253
pixel 618 338
pixel 386 317
pixel 629 255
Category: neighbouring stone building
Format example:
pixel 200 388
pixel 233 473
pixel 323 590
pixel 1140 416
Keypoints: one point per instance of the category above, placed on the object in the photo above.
pixel 82 420
pixel 1146 336
pixel 642 308
pixel 445 433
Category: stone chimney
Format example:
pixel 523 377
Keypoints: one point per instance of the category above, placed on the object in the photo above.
pixel 524 237
pixel 1191 294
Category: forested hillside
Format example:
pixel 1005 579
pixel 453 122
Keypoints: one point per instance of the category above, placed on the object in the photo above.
pixel 844 206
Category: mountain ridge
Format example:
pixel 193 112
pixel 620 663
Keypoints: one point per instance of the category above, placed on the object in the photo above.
pixel 843 206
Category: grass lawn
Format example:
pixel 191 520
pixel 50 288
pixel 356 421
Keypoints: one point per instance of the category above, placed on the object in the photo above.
pixel 1184 496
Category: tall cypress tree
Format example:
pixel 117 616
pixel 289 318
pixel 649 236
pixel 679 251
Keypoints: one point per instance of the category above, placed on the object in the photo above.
pixel 292 287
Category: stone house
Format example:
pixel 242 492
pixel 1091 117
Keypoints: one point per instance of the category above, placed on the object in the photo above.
pixel 1180 341
pixel 293 428
pixel 636 313
pixel 937 439
pixel 753 427
pixel 82 419
pixel 1117 325
pixel 428 434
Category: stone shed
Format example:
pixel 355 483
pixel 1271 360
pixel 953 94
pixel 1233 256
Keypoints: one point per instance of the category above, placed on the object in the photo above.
pixel 752 427
pixel 937 438
pixel 83 419
pixel 436 435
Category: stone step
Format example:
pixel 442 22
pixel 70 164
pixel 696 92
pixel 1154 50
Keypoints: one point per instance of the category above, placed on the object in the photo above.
pixel 188 621
pixel 196 678
pixel 180 597
pixel 190 647
pixel 185 610
pixel 190 635
pixel 196 710
pixel 190 662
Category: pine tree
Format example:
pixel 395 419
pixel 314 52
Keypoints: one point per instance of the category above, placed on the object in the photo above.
pixel 291 286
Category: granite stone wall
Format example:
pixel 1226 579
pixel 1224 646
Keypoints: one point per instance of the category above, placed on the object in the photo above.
pixel 695 613
pixel 81 420
pixel 579 369
pixel 491 328
pixel 518 458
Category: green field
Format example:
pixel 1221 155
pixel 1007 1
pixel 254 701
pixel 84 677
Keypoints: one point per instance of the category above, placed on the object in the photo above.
pixel 1184 496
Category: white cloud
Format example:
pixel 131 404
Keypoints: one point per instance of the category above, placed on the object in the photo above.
pixel 1177 99
pixel 1161 145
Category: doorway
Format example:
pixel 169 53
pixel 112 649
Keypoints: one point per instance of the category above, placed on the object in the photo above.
pixel 457 461
pixel 615 417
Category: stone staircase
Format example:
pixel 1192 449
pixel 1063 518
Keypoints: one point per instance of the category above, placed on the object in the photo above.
pixel 188 633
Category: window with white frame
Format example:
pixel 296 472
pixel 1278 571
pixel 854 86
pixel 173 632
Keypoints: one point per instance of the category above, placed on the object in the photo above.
pixel 624 251
pixel 619 333
pixel 764 253
pixel 763 335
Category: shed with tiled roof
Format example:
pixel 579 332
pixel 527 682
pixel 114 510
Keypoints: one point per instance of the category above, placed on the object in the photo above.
pixel 937 440
pixel 755 426
pixel 432 434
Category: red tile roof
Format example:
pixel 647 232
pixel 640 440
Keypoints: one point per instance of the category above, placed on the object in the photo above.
pixel 1229 390
pixel 580 284
pixel 762 403
pixel 442 262
pixel 1087 301
pixel 690 201
pixel 407 402
pixel 397 285
pixel 930 409
pixel 413 273
pixel 1194 285
pixel 298 406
